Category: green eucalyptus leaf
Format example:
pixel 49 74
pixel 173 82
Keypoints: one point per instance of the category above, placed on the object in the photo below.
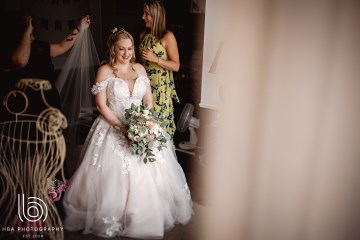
pixel 143 129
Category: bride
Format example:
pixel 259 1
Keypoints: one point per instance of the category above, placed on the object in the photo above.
pixel 113 192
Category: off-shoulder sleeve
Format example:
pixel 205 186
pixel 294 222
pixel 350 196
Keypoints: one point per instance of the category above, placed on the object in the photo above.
pixel 145 79
pixel 96 88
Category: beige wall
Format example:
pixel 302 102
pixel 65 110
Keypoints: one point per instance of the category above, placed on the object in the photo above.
pixel 285 163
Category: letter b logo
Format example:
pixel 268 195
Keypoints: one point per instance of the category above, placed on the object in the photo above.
pixel 34 210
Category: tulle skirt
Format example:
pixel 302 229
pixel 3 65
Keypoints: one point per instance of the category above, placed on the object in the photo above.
pixel 114 193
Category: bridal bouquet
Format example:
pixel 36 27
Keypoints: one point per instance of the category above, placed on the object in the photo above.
pixel 143 129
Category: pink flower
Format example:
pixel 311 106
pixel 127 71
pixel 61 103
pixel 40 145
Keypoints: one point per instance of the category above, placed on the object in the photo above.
pixel 53 196
pixel 56 191
pixel 149 124
pixel 61 188
pixel 146 112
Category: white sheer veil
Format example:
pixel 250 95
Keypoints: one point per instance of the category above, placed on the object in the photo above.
pixel 74 85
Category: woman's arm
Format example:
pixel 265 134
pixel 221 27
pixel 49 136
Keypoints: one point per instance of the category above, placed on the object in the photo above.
pixel 170 44
pixel 101 98
pixel 68 42
pixel 20 56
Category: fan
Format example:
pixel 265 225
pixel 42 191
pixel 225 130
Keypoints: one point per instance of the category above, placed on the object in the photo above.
pixel 187 121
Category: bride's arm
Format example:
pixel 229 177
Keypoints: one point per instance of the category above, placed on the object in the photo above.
pixel 147 99
pixel 101 98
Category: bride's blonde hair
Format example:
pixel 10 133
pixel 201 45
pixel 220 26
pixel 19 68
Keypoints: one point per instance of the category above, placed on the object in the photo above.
pixel 114 37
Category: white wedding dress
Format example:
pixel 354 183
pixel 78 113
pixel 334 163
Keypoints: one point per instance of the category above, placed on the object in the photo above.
pixel 113 192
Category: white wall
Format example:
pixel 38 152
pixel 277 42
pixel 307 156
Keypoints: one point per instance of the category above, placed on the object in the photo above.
pixel 215 27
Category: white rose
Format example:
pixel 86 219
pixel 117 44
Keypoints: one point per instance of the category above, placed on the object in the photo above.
pixel 136 130
pixel 155 145
pixel 155 129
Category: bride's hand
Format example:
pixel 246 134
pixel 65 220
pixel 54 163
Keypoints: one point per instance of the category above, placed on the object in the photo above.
pixel 121 128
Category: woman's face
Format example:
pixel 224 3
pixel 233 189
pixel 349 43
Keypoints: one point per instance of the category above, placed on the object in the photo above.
pixel 147 17
pixel 124 50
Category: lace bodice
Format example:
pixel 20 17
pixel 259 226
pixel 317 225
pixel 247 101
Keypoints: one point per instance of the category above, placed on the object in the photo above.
pixel 118 94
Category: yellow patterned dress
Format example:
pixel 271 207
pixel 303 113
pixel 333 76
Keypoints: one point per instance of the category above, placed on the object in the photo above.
pixel 162 82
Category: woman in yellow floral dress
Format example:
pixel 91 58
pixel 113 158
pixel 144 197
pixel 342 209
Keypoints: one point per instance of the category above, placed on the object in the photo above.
pixel 160 57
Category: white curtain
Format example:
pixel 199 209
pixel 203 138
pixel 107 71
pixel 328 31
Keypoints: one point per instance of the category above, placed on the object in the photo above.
pixel 284 162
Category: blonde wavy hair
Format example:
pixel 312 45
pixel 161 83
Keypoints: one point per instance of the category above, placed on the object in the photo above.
pixel 114 37
pixel 158 13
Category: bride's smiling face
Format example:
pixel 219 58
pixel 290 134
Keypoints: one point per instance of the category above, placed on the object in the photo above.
pixel 124 50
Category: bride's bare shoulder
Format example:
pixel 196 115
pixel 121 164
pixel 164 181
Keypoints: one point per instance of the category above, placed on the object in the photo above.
pixel 139 69
pixel 104 72
pixel 105 68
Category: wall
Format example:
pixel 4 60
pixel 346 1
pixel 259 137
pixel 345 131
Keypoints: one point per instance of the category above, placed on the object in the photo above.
pixel 284 162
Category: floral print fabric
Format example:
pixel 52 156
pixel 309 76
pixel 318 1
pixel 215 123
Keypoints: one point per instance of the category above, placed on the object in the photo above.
pixel 162 82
